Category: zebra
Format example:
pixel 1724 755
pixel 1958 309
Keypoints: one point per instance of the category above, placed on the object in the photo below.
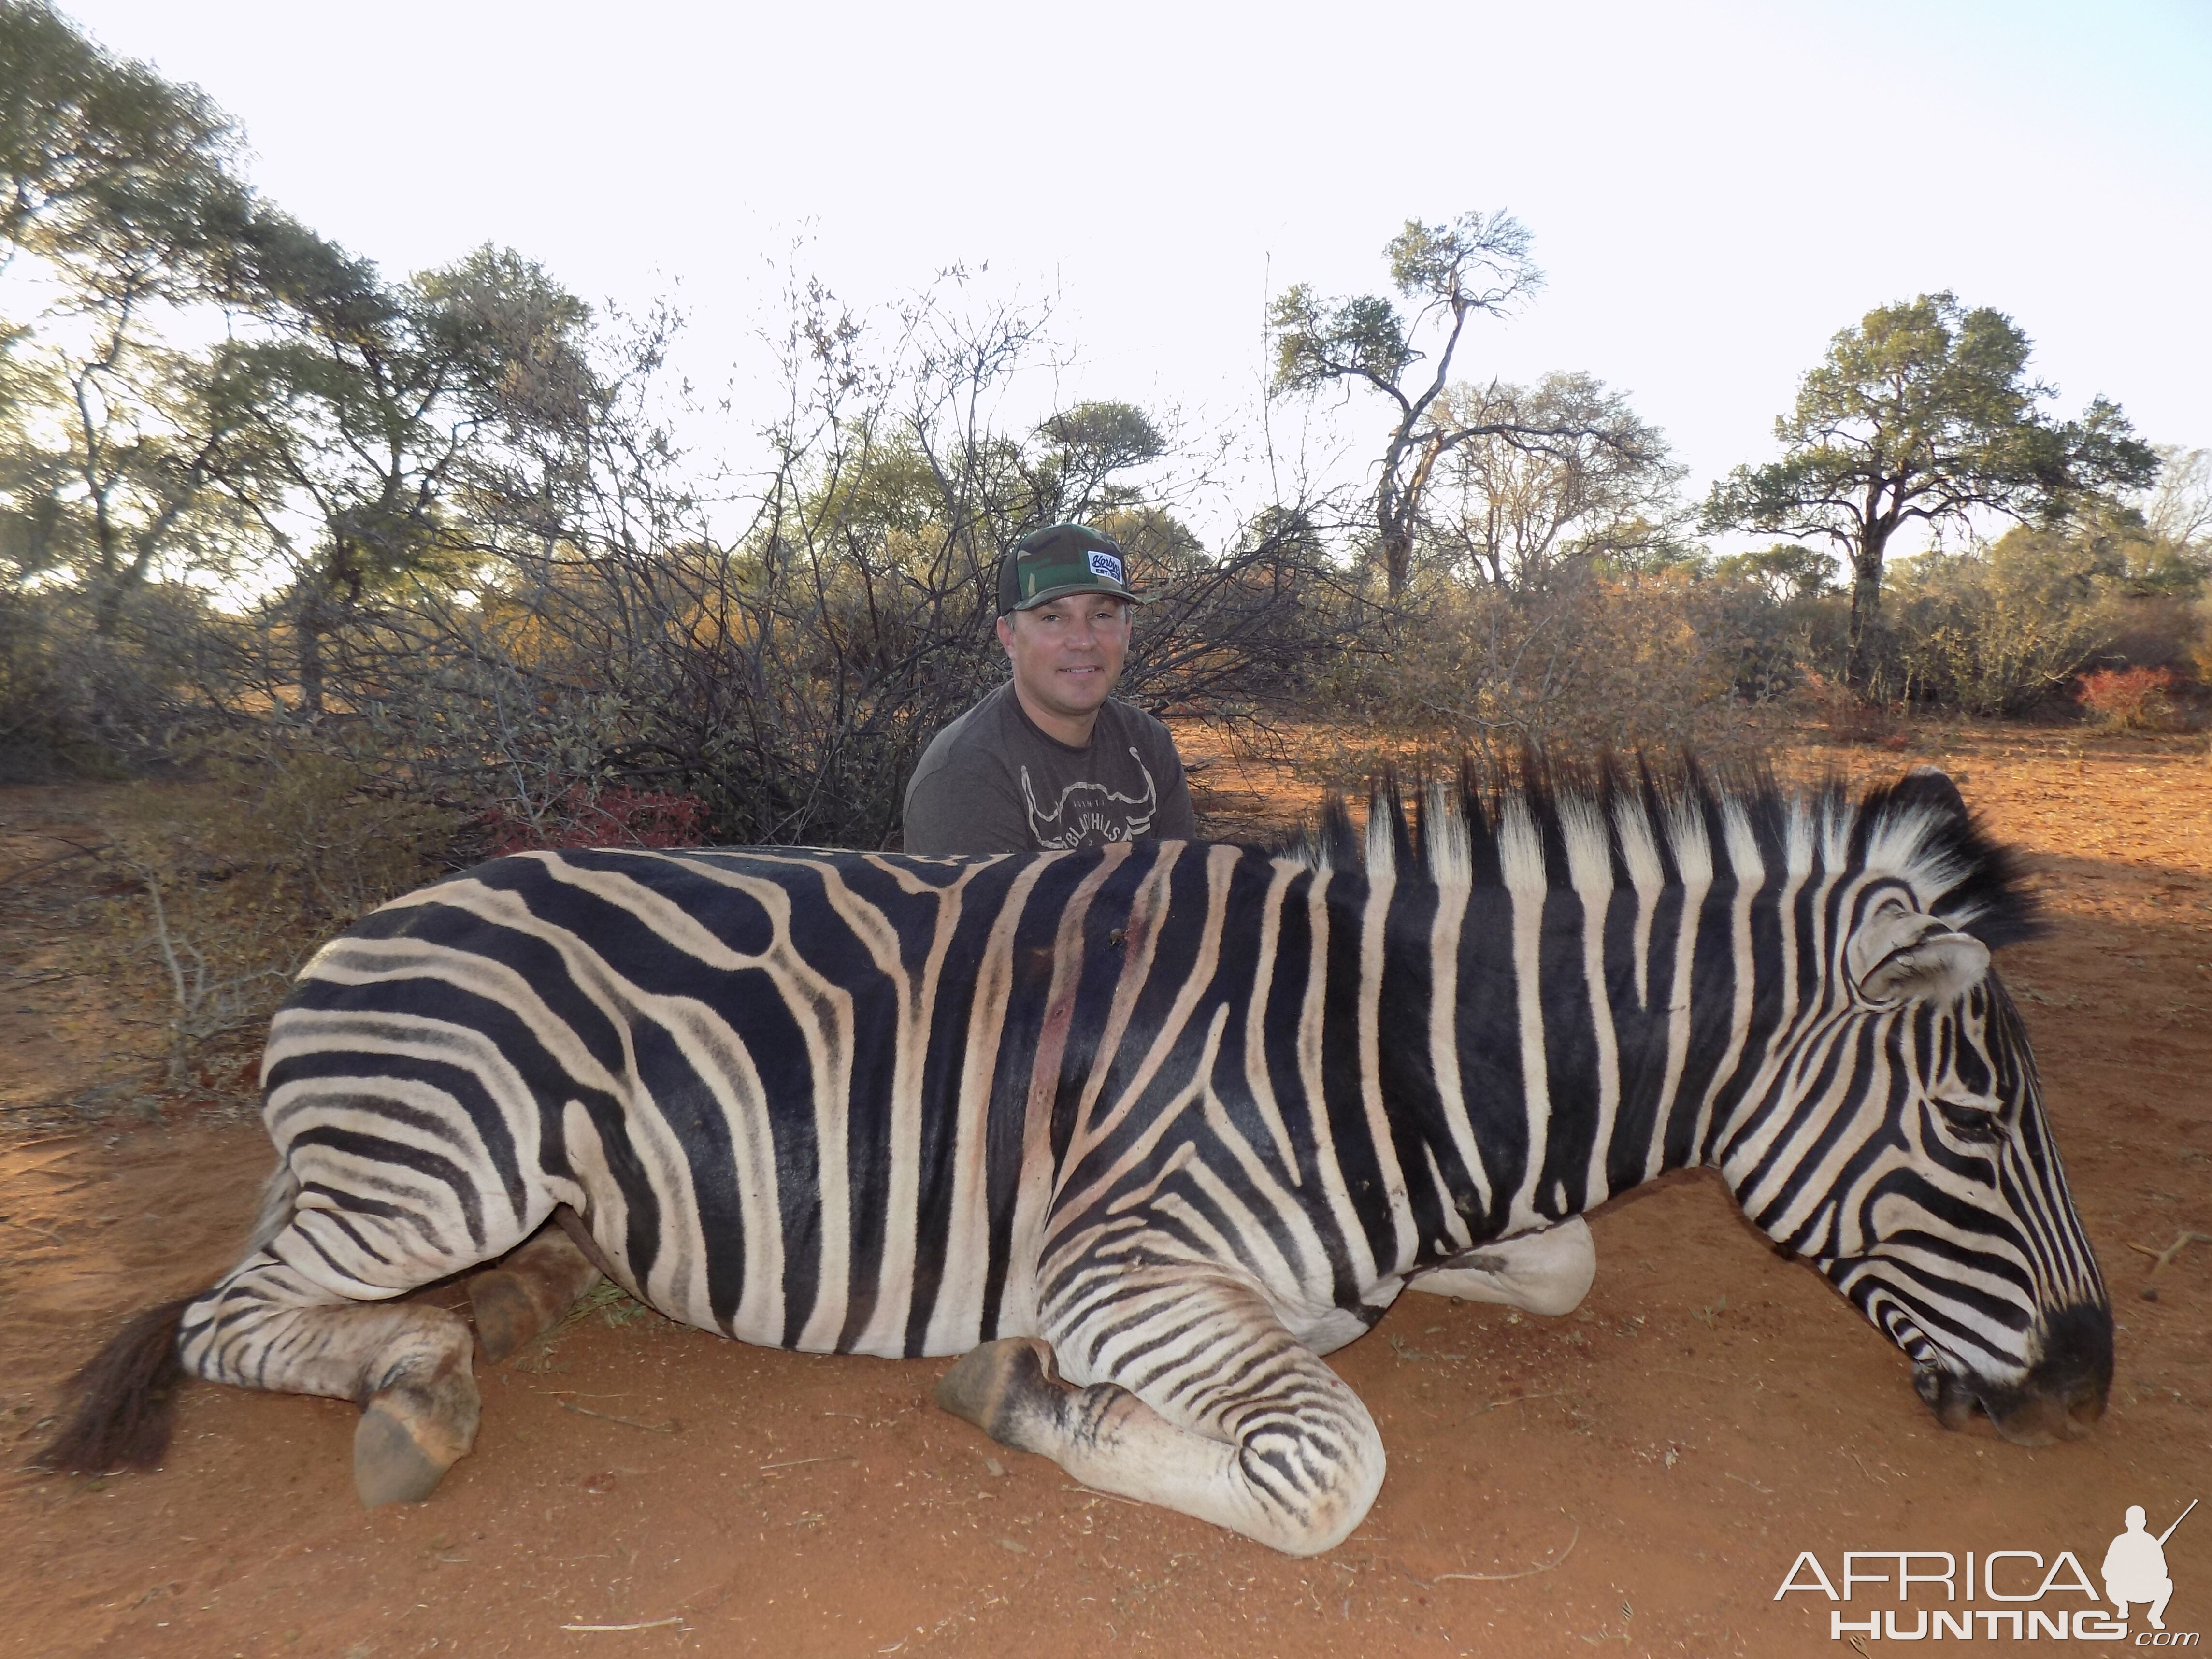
pixel 1141 1133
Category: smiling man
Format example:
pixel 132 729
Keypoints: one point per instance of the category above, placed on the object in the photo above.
pixel 1051 760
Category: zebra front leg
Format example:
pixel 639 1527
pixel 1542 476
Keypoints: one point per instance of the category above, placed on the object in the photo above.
pixel 530 1292
pixel 1545 1273
pixel 269 1326
pixel 1204 1403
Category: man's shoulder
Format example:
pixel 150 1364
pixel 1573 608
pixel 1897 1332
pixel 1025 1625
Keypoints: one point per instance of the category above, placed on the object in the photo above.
pixel 979 730
pixel 1133 725
pixel 1134 719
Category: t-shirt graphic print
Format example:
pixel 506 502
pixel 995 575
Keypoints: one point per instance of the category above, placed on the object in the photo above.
pixel 1088 813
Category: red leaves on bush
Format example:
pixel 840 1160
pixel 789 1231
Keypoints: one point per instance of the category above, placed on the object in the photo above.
pixel 581 817
pixel 2127 697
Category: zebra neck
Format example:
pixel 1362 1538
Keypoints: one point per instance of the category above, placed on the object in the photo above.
pixel 1528 1052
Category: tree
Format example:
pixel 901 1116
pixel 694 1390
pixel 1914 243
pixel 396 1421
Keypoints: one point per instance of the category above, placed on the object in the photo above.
pixel 1509 513
pixel 124 189
pixel 1787 570
pixel 120 178
pixel 357 422
pixel 2179 511
pixel 1448 273
pixel 1923 412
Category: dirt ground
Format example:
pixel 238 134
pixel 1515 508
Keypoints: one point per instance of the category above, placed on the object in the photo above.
pixel 1643 1472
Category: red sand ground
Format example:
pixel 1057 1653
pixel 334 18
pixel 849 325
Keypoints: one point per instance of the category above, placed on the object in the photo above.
pixel 1642 1472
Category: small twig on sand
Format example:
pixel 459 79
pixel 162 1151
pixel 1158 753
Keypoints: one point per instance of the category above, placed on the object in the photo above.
pixel 826 1457
pixel 75 852
pixel 649 1624
pixel 1525 1572
pixel 1515 1399
pixel 1093 1492
pixel 2160 1259
pixel 668 1427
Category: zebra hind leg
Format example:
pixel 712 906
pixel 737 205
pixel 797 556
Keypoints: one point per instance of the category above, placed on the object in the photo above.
pixel 271 1325
pixel 1225 1416
pixel 530 1292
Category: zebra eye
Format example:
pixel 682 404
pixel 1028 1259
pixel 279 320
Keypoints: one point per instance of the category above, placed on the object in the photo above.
pixel 1970 1123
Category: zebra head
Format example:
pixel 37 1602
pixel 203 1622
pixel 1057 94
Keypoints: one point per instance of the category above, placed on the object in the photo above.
pixel 1901 1145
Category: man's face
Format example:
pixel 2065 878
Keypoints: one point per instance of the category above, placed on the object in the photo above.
pixel 1068 653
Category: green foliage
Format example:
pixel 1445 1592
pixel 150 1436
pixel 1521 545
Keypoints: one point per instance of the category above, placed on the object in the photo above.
pixel 1318 341
pixel 1787 570
pixel 124 189
pixel 1924 412
pixel 1997 632
pixel 123 181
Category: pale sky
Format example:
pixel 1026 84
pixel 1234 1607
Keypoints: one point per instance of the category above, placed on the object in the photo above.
pixel 1714 189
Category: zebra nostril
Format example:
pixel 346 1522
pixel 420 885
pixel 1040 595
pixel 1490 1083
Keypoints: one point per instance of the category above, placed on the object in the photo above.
pixel 1954 1403
pixel 2087 1408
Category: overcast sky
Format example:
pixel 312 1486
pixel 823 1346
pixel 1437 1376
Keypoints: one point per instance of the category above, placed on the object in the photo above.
pixel 1714 189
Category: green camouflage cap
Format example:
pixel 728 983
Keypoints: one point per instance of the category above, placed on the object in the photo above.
pixel 1058 560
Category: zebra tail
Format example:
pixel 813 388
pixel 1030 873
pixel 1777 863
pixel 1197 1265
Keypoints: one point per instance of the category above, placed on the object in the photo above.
pixel 126 1395
pixel 278 1195
pixel 126 1399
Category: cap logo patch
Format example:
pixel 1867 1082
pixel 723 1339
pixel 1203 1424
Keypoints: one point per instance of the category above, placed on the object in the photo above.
pixel 1106 565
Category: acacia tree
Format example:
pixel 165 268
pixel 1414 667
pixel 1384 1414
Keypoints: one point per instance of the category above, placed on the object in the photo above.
pixel 1923 412
pixel 123 188
pixel 2179 513
pixel 1510 513
pixel 1447 275
pixel 359 420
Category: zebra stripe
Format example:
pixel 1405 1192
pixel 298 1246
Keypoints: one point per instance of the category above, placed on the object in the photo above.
pixel 1189 1114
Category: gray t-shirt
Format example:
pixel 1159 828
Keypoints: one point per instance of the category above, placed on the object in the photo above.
pixel 994 782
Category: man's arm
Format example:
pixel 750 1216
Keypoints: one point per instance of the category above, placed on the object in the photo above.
pixel 1173 820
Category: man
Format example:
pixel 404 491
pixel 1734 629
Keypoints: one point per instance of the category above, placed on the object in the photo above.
pixel 1051 760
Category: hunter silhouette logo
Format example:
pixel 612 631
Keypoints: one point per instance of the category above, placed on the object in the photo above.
pixel 1084 808
pixel 2135 1567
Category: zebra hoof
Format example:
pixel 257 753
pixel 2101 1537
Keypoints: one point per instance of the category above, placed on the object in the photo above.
pixel 408 1437
pixel 529 1293
pixel 507 1316
pixel 992 1382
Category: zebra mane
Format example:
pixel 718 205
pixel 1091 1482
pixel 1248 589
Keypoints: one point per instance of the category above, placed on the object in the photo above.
pixel 1543 824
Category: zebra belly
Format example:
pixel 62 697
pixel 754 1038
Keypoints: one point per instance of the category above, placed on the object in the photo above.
pixel 695 1270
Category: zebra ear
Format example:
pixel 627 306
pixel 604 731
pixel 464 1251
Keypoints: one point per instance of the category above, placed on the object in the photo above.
pixel 1900 954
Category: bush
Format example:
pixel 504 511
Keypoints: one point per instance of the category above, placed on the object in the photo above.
pixel 78 703
pixel 2127 699
pixel 226 884
pixel 2002 631
pixel 1592 660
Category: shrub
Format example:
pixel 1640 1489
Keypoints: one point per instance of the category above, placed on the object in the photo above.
pixel 223 886
pixel 1591 660
pixel 1998 632
pixel 2127 699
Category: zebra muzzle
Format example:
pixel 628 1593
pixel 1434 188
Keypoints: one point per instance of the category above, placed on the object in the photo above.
pixel 2061 1398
